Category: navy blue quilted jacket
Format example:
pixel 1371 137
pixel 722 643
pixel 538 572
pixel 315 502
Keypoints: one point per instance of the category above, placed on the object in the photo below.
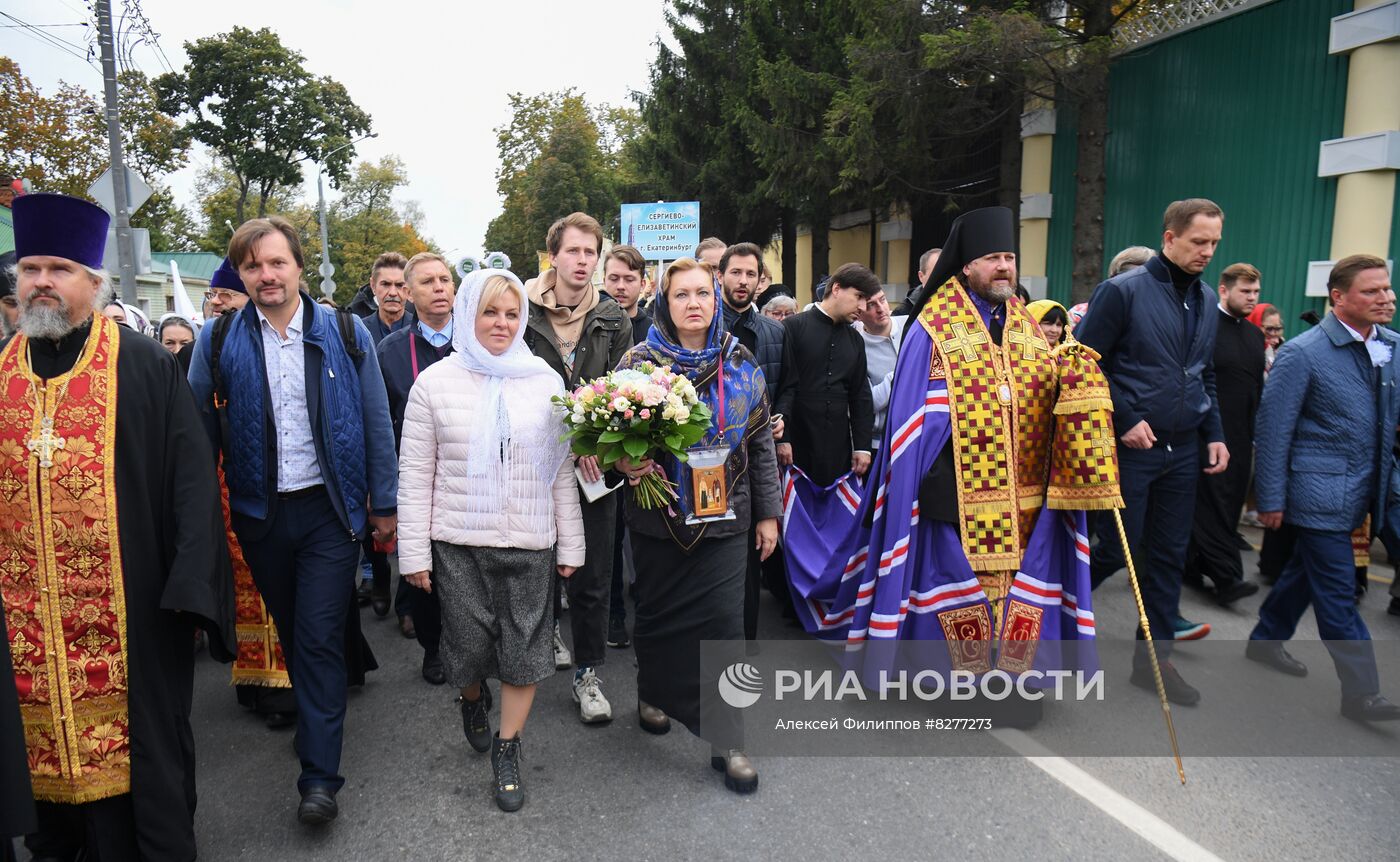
pixel 347 406
pixel 1137 323
pixel 1325 429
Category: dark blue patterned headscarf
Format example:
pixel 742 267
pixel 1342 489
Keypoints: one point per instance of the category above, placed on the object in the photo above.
pixel 702 367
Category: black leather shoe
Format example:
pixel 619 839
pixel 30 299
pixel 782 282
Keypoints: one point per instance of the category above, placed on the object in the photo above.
pixel 317 807
pixel 406 627
pixel 1372 707
pixel 1394 609
pixel 1275 656
pixel 380 603
pixel 363 591
pixel 1232 591
pixel 651 719
pixel 1178 691
pixel 432 669
pixel 276 720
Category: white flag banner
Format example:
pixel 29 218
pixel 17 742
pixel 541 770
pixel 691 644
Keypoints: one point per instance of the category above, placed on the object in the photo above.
pixel 183 307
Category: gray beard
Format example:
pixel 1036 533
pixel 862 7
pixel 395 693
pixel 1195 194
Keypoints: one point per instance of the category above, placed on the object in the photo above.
pixel 991 293
pixel 6 330
pixel 42 321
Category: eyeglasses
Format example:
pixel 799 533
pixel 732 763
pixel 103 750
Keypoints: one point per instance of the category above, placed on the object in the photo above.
pixel 220 294
pixel 1273 330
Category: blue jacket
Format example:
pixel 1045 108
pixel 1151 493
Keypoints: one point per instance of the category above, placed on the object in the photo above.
pixel 767 339
pixel 1325 429
pixel 1138 325
pixel 346 405
pixel 377 330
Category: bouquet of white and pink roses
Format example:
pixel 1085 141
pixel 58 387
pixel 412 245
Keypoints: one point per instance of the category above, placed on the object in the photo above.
pixel 637 412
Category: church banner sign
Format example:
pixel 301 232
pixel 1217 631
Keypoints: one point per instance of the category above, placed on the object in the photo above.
pixel 662 231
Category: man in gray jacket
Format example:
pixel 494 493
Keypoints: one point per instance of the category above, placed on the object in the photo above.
pixel 1323 461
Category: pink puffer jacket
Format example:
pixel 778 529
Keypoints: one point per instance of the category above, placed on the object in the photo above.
pixel 436 500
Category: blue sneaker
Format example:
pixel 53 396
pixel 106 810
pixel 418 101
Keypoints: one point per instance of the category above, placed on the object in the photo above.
pixel 1189 631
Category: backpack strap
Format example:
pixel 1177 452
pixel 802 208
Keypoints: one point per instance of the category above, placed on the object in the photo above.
pixel 216 347
pixel 346 321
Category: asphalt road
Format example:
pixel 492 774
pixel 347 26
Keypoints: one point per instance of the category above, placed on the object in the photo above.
pixel 416 791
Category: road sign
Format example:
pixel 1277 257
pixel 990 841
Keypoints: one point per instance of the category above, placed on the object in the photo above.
pixel 137 191
pixel 662 231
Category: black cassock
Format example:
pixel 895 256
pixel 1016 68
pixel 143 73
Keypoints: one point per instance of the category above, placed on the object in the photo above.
pixel 824 395
pixel 177 577
pixel 1239 382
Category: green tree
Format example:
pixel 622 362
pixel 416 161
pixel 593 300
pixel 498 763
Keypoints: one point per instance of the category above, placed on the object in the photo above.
pixel 366 222
pixel 555 158
pixel 251 100
pixel 217 191
pixel 1059 52
pixel 58 142
pixel 797 52
pixel 692 145
pixel 153 147
pixel 170 225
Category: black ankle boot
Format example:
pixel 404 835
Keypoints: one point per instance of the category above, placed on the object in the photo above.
pixel 476 719
pixel 505 765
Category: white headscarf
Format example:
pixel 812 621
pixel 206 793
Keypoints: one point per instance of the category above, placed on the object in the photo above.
pixel 490 454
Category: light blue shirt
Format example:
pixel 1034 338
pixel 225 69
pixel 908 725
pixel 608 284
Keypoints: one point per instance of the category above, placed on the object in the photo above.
pixel 434 337
pixel 285 359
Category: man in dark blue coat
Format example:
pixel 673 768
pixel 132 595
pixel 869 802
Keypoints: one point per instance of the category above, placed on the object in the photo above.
pixel 300 416
pixel 1155 329
pixel 740 270
pixel 391 313
pixel 426 338
pixel 1323 462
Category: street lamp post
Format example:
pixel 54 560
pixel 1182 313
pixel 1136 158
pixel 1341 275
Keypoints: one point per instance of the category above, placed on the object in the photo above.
pixel 327 268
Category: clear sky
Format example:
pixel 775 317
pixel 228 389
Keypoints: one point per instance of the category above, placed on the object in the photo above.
pixel 434 76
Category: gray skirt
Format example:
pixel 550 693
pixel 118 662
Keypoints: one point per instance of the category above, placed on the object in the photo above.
pixel 496 619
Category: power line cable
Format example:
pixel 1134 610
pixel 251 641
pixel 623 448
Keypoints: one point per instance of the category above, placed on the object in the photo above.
pixel 52 40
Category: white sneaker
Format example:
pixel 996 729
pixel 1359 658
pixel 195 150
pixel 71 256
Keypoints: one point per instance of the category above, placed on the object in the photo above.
pixel 592 706
pixel 563 659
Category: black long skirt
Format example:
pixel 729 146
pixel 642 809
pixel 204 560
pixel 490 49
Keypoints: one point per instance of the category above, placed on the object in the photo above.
pixel 683 599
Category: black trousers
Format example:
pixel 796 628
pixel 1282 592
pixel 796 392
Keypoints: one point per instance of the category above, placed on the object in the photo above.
pixel 427 615
pixel 101 831
pixel 1159 496
pixel 617 603
pixel 753 585
pixel 590 588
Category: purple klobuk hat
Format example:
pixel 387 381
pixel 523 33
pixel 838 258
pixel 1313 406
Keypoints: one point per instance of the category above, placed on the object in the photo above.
pixel 226 277
pixel 60 226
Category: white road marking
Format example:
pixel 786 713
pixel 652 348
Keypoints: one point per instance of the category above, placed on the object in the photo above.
pixel 1151 828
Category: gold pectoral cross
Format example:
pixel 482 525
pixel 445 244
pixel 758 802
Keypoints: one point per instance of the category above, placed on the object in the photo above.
pixel 46 443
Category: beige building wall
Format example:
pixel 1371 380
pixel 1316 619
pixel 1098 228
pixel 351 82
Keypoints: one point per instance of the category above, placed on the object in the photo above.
pixel 1365 203
pixel 848 245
